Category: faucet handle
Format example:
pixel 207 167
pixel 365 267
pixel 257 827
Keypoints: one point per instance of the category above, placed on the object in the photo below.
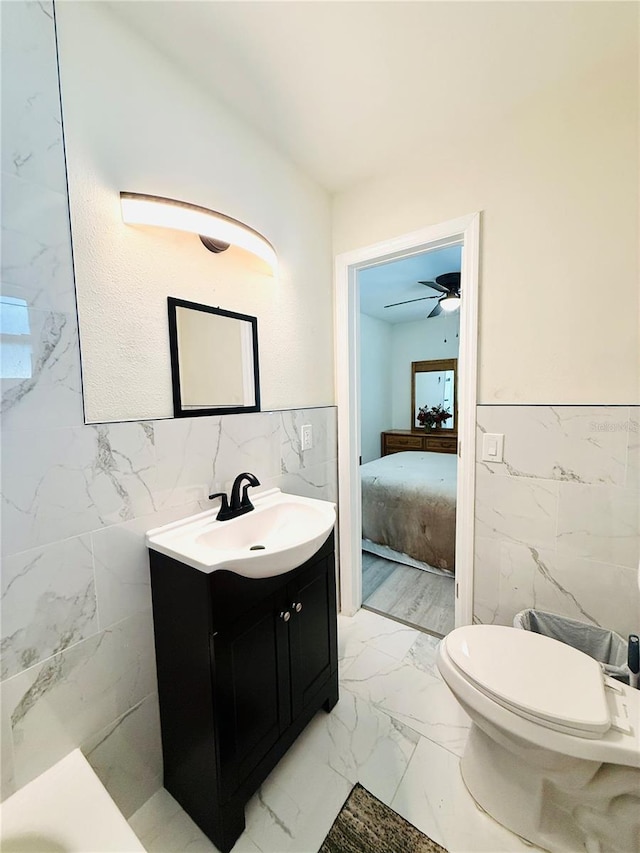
pixel 224 513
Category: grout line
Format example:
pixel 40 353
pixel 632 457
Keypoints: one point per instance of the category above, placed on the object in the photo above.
pixel 393 618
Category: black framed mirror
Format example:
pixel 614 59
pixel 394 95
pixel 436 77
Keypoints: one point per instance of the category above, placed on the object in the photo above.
pixel 214 360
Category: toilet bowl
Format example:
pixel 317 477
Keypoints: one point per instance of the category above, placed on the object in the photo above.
pixel 554 749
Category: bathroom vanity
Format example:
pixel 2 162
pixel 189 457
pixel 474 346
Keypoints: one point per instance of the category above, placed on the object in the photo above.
pixel 243 663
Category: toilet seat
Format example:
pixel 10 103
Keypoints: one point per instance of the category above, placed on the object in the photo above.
pixel 535 677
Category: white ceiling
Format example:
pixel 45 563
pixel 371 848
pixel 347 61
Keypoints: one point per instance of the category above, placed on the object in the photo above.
pixel 348 90
pixel 399 280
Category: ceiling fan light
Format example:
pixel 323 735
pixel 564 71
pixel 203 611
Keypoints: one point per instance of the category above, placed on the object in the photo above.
pixel 450 303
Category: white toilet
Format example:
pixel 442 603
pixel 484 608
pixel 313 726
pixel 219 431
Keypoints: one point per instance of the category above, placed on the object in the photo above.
pixel 554 749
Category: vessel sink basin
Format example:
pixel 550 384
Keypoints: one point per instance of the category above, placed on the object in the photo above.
pixel 282 532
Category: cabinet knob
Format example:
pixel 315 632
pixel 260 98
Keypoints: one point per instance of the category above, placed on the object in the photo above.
pixel 297 606
pixel 285 616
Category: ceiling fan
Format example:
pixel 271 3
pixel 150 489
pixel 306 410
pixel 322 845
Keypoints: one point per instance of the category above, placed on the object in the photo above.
pixel 448 284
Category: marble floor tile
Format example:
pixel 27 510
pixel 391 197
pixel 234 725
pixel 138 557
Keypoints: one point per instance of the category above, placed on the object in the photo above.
pixel 362 744
pixel 175 832
pixel 432 796
pixel 367 629
pixel 294 808
pixel 151 818
pixel 410 695
pixel 163 827
pixel 422 654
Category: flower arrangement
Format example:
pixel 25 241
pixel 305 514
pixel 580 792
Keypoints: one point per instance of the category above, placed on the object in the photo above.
pixel 433 417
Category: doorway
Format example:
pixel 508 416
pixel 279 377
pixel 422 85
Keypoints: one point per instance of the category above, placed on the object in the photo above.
pixel 409 337
pixel 463 232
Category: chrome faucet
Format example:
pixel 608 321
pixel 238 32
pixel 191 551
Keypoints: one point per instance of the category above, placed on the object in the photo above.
pixel 239 505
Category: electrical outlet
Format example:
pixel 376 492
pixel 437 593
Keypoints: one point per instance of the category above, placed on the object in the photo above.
pixel 306 436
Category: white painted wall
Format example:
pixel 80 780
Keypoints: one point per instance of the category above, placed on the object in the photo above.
pixel 375 383
pixel 133 121
pixel 557 184
pixel 387 351
pixel 421 340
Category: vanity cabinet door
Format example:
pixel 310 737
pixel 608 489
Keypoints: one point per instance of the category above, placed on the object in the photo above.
pixel 312 632
pixel 251 689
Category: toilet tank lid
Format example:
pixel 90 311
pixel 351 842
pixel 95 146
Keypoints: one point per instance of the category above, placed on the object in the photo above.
pixel 537 675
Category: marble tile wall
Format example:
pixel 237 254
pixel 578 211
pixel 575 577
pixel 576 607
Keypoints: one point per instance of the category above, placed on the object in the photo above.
pixel 78 664
pixel 77 641
pixel 558 523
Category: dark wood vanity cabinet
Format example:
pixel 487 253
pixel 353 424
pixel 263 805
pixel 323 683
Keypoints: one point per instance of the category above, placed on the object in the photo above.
pixel 243 665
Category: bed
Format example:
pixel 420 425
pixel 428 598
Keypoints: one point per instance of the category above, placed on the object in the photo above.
pixel 409 508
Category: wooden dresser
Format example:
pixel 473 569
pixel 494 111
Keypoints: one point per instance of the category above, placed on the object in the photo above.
pixel 396 440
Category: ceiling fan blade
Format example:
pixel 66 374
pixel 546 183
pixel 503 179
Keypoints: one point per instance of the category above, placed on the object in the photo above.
pixel 421 299
pixel 435 286
pixel 437 310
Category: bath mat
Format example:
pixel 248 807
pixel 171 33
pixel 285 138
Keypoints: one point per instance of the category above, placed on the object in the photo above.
pixel 366 825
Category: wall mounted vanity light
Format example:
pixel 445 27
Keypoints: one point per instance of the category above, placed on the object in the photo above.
pixel 216 230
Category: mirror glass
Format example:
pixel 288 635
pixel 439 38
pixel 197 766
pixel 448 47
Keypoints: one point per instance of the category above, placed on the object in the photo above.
pixel 433 386
pixel 214 360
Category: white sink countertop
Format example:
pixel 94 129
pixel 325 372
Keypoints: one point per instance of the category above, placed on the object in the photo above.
pixel 280 533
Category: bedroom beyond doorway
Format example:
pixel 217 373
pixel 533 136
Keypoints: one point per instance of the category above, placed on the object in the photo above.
pixel 408 595
pixel 409 340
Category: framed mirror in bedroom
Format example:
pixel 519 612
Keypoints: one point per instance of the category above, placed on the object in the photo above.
pixel 434 396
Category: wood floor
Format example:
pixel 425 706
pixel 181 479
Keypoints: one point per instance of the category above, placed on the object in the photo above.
pixel 420 599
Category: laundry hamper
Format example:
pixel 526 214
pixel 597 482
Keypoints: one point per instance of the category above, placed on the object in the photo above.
pixel 607 647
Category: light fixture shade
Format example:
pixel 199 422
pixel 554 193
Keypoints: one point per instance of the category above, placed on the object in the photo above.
pixel 138 209
pixel 450 303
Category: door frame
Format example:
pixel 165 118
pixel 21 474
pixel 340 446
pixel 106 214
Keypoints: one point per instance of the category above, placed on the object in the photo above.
pixel 463 231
